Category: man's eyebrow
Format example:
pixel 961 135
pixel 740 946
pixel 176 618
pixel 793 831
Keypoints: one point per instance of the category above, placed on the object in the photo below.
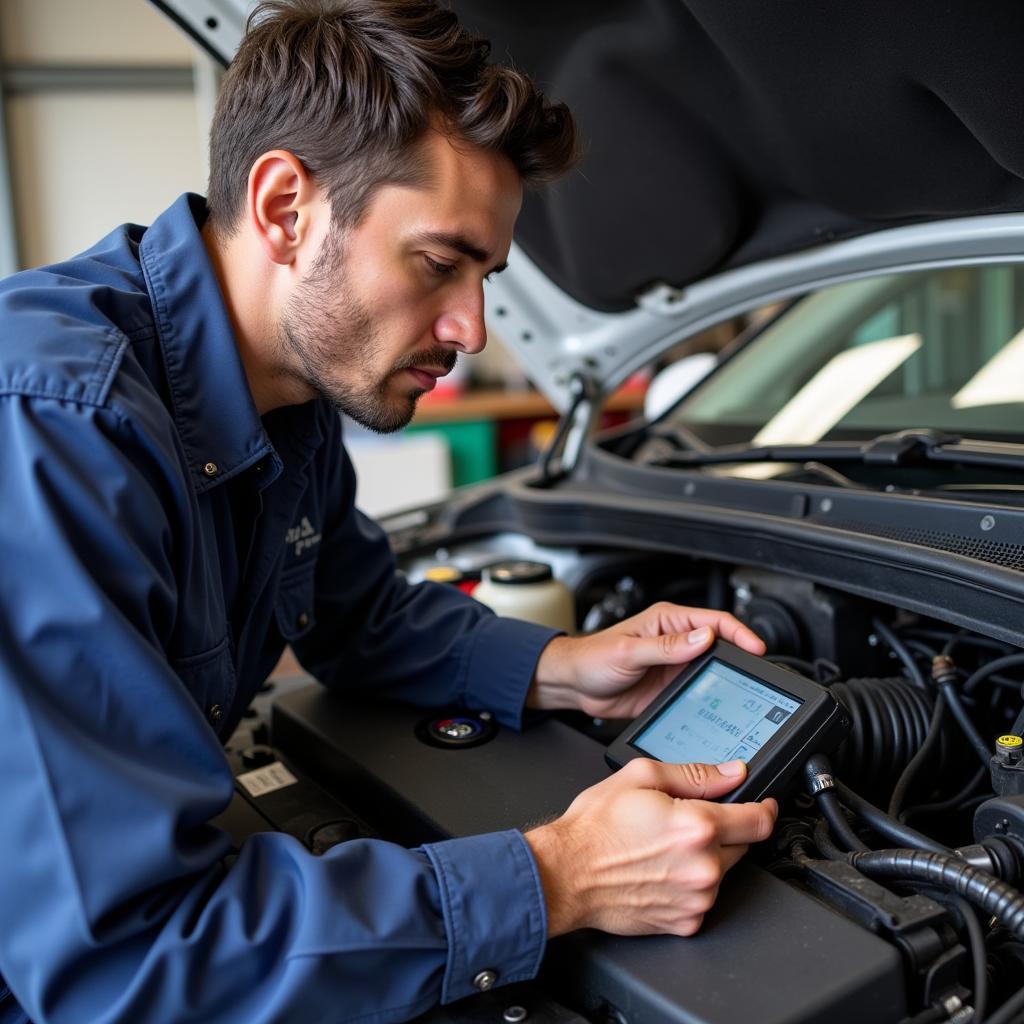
pixel 460 244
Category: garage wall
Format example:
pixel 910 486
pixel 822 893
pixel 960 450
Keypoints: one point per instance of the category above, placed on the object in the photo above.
pixel 104 123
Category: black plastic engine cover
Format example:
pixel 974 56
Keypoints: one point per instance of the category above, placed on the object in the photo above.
pixel 768 952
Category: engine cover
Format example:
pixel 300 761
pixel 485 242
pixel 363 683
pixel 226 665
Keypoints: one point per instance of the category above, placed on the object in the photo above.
pixel 767 952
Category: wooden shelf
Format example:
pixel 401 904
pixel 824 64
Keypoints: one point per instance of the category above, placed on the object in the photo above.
pixel 508 405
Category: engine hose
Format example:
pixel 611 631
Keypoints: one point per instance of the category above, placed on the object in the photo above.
pixel 977 678
pixel 918 761
pixel 890 721
pixel 994 897
pixel 828 804
pixel 823 841
pixel 944 674
pixel 900 650
pixel 1007 1013
pixel 892 829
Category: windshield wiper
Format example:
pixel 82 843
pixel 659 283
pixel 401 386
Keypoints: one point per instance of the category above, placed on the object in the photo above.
pixel 913 447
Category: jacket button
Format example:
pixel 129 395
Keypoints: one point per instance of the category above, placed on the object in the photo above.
pixel 485 980
pixel 215 714
pixel 302 621
pixel 210 469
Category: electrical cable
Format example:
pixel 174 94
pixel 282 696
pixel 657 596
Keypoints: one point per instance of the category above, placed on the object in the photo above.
pixel 981 748
pixel 899 649
pixel 920 647
pixel 1018 724
pixel 790 661
pixel 1009 1010
pixel 886 826
pixel 950 803
pixel 955 639
pixel 917 762
pixel 979 954
pixel 1009 661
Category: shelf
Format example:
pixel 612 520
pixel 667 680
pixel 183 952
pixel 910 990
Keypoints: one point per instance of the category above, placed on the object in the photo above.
pixel 508 405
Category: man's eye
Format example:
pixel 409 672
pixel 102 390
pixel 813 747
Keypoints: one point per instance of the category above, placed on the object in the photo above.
pixel 439 268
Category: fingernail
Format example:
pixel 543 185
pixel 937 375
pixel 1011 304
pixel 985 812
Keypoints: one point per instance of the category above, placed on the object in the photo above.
pixel 698 636
pixel 732 768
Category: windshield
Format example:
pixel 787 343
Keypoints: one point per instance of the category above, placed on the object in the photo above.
pixel 941 349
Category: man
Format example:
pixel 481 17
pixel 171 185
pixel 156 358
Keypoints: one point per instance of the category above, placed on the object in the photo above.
pixel 168 411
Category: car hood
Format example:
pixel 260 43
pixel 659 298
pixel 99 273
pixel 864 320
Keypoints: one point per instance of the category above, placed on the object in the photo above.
pixel 738 152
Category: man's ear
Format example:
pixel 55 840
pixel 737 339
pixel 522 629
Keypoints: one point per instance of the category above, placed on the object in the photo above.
pixel 281 202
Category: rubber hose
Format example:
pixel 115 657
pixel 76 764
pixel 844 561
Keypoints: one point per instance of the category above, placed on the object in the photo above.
pixel 975 680
pixel 917 762
pixel 886 826
pixel 828 803
pixel 890 722
pixel 993 896
pixel 981 748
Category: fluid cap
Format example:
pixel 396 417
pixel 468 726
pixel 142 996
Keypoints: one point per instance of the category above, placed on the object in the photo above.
pixel 1010 747
pixel 517 572
pixel 443 574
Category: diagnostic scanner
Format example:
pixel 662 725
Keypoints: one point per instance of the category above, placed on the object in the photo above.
pixel 729 705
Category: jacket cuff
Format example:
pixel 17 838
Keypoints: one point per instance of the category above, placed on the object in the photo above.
pixel 500 666
pixel 494 913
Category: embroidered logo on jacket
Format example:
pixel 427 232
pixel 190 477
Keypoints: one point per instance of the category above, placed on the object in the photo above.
pixel 303 536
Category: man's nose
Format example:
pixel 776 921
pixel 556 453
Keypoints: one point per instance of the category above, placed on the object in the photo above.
pixel 462 323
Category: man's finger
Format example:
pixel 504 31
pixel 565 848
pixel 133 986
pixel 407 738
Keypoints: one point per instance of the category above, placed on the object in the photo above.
pixel 729 628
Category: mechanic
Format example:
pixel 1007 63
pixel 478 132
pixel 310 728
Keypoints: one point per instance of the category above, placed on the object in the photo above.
pixel 176 505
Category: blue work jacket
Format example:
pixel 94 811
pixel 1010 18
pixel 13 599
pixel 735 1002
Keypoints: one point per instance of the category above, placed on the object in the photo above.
pixel 159 545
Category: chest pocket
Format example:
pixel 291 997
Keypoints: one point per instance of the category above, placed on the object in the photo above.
pixel 210 677
pixel 295 602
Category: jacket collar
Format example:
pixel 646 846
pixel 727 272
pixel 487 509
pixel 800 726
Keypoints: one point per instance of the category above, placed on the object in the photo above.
pixel 211 403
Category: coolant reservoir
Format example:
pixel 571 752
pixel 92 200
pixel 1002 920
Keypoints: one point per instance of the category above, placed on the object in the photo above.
pixel 527 590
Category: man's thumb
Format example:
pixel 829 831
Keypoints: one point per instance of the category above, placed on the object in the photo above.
pixel 669 648
pixel 704 781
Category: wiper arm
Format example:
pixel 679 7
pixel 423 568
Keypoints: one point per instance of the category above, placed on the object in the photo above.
pixel 903 448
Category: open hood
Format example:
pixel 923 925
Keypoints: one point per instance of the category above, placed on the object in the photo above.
pixel 739 151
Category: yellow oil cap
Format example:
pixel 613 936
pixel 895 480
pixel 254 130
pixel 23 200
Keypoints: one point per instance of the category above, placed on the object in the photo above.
pixel 1009 742
pixel 443 574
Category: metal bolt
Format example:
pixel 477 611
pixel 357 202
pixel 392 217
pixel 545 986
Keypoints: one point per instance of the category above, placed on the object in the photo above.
pixel 872 640
pixel 515 1014
pixel 826 505
pixel 987 522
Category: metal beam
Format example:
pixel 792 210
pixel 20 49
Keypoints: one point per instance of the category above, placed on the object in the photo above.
pixel 35 78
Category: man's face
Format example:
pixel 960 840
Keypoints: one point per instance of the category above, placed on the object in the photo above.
pixel 388 305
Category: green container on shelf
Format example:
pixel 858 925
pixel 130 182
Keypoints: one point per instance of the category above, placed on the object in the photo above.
pixel 474 448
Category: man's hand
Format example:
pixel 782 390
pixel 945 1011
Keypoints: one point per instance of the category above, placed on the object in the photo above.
pixel 616 673
pixel 641 852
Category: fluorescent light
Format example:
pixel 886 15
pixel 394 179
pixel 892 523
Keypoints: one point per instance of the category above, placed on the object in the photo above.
pixel 842 383
pixel 999 381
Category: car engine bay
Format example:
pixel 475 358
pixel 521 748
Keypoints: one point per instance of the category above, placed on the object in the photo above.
pixel 890 894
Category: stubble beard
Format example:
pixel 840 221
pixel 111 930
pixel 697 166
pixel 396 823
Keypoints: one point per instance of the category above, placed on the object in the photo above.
pixel 325 328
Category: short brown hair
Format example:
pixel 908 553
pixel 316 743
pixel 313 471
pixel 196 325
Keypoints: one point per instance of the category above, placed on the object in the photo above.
pixel 349 87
